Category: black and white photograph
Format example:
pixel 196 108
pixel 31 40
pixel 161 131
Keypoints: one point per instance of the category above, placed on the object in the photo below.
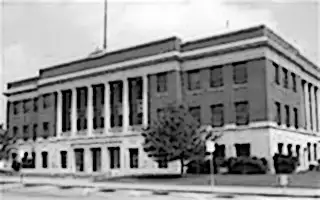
pixel 160 99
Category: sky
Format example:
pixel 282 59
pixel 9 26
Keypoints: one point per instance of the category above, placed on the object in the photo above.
pixel 37 34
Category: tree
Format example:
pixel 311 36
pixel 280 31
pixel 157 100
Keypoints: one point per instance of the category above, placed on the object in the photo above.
pixel 6 145
pixel 176 135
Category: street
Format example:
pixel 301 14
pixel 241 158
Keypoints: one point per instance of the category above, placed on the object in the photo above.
pixel 50 193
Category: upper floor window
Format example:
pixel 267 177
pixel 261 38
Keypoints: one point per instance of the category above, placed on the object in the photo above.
pixel 194 80
pixel 295 115
pixel 35 104
pixel 15 132
pixel 242 113
pixel 287 111
pixel 45 128
pixel 16 107
pixel 162 82
pixel 217 115
pixel 25 132
pixel 216 77
pixel 160 113
pixel 294 82
pixel 285 78
pixel 276 73
pixel 240 73
pixel 35 131
pixel 278 113
pixel 98 95
pixel 26 106
pixel 46 101
pixel 196 113
pixel 82 97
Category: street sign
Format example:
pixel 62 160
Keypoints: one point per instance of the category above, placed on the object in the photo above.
pixel 210 146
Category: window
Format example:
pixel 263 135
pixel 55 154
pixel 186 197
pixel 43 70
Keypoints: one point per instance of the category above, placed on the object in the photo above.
pixel 285 78
pixel 134 157
pixel 26 106
pixel 309 151
pixel 114 153
pixel 66 110
pixel 63 156
pixel 196 113
pixel 278 113
pixel 193 80
pixel 35 104
pixel 46 101
pixel 289 149
pixel 296 120
pixel 25 132
pixel 160 113
pixel 33 162
pixel 216 77
pixel 162 82
pixel 240 74
pixel 294 82
pixel 15 132
pixel 298 151
pixel 217 115
pixel 98 106
pixel 15 108
pixel 79 157
pixel 276 73
pixel 44 155
pixel 96 159
pixel 162 164
pixel 45 128
pixel 243 149
pixel 315 151
pixel 116 103
pixel 287 111
pixel 220 150
pixel 280 148
pixel 82 102
pixel 242 113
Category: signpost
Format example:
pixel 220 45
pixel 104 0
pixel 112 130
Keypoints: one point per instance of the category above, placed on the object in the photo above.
pixel 210 146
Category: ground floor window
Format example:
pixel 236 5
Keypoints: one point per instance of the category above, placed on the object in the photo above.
pixel 64 158
pixel 114 155
pixel 134 157
pixel 289 149
pixel 96 159
pixel 298 150
pixel 315 151
pixel 79 157
pixel 280 148
pixel 242 149
pixel 162 164
pixel 44 155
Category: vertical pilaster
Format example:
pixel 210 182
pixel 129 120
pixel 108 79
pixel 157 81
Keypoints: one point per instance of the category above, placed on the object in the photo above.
pixel 59 114
pixel 125 104
pixel 90 112
pixel 301 110
pixel 74 113
pixel 145 100
pixel 107 110
pixel 313 110
pixel 307 106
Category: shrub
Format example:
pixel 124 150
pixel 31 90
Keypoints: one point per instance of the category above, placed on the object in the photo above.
pixel 247 165
pixel 285 164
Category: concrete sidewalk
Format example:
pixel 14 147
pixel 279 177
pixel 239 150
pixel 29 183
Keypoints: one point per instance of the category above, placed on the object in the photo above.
pixel 237 190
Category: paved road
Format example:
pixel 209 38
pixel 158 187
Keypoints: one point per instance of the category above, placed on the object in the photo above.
pixel 51 193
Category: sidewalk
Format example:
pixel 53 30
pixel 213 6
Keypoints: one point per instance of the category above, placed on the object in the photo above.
pixel 236 190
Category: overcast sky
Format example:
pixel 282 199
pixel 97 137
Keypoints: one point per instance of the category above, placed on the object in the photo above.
pixel 40 33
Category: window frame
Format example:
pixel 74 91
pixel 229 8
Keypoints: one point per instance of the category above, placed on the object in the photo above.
pixel 217 107
pixel 240 78
pixel 246 114
pixel 193 86
pixel 162 82
pixel 216 81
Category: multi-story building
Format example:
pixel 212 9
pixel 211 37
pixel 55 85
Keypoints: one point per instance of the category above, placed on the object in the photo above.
pixel 86 116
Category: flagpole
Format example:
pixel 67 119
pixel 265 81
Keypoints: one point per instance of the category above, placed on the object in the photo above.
pixel 105 25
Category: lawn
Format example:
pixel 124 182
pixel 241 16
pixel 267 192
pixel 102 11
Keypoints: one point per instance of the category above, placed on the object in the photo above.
pixel 307 180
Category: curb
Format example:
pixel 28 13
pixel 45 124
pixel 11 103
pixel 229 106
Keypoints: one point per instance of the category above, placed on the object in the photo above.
pixel 162 192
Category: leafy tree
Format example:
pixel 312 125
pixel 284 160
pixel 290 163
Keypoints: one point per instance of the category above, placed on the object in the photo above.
pixel 6 144
pixel 176 135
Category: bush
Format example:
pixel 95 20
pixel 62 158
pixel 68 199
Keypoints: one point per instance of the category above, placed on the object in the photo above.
pixel 247 165
pixel 203 166
pixel 285 164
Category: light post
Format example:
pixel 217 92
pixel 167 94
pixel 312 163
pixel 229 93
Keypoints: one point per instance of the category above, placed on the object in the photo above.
pixel 210 146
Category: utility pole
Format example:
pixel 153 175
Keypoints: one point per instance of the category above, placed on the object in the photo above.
pixel 105 35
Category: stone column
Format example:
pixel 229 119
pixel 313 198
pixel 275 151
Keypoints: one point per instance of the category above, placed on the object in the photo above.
pixel 307 106
pixel 125 105
pixel 107 110
pixel 313 110
pixel 87 160
pixel 145 101
pixel 104 159
pixel 74 112
pixel 90 112
pixel 59 114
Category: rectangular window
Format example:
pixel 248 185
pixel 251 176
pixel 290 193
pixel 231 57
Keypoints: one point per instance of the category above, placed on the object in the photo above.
pixel 66 110
pixel 278 113
pixel 298 150
pixel 162 82
pixel 242 149
pixel 114 153
pixel 25 132
pixel 240 74
pixel 33 161
pixel 315 151
pixel 285 78
pixel 116 89
pixel 296 118
pixel 16 107
pixel 280 148
pixel 276 73
pixel 289 149
pixel 220 151
pixel 196 113
pixel 45 128
pixel 44 155
pixel 135 101
pixel 15 132
pixel 79 157
pixel 98 106
pixel 194 80
pixel 309 151
pixel 242 113
pixel 287 111
pixel 35 104
pixel 216 77
pixel 162 164
pixel 25 106
pixel 217 115
pixel 64 157
pixel 46 101
pixel 134 157
pixel 96 159
pixel 82 102
pixel 160 113
pixel 294 82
